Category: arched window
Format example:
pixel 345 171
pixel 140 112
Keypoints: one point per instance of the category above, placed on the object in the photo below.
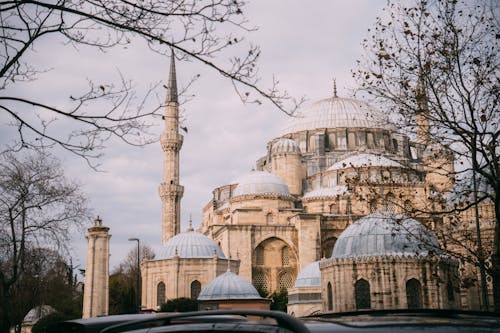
pixel 285 257
pixel 195 289
pixel 451 292
pixel 160 294
pixel 330 296
pixel 373 205
pixel 362 294
pixel 348 206
pixel 334 208
pixel 285 280
pixel 414 294
pixel 408 206
pixel 390 202
pixel 269 218
pixel 259 255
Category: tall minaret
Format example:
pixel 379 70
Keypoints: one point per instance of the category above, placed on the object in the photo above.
pixel 96 290
pixel 422 117
pixel 171 142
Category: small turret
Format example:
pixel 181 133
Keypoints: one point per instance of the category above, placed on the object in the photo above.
pixel 96 292
pixel 286 162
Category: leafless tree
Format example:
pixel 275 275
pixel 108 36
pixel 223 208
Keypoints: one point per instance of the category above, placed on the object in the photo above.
pixel 437 61
pixel 39 207
pixel 209 32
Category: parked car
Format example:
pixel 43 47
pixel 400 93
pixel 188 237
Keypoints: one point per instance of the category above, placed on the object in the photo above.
pixel 246 321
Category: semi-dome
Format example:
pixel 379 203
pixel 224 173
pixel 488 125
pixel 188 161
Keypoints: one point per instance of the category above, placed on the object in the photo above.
pixel 336 113
pixel 385 234
pixel 191 244
pixel 228 286
pixel 260 182
pixel 364 160
pixel 284 145
pixel 310 276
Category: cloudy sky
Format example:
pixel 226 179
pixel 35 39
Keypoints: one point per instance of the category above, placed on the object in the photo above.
pixel 304 43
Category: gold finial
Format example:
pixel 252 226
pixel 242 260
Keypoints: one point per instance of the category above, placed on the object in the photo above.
pixel 335 88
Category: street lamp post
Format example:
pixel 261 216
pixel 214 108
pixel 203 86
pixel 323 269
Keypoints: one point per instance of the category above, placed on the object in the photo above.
pixel 138 273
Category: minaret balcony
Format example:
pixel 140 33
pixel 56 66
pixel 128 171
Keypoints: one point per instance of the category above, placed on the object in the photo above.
pixel 167 190
pixel 171 142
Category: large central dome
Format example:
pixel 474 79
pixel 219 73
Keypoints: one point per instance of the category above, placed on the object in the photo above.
pixel 336 112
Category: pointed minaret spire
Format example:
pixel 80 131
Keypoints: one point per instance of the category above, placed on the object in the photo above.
pixel 190 227
pixel 422 117
pixel 335 88
pixel 172 81
pixel 171 190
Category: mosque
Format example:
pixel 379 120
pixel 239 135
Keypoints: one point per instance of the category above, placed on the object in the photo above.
pixel 333 213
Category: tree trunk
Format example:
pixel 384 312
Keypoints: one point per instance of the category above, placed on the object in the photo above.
pixel 4 308
pixel 495 258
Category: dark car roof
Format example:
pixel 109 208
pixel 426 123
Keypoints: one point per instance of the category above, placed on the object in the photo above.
pixel 94 325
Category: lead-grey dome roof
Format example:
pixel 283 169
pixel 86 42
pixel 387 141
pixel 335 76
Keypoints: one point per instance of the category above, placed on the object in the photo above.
pixel 228 286
pixel 336 112
pixel 310 276
pixel 385 234
pixel 190 244
pixel 260 182
pixel 38 312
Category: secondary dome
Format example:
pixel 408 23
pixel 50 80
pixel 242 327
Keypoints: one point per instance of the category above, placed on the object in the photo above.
pixel 228 286
pixel 336 113
pixel 363 161
pixel 385 234
pixel 284 145
pixel 310 276
pixel 191 244
pixel 260 182
pixel 37 313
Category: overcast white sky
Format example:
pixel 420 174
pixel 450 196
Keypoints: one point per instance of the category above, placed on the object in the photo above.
pixel 304 43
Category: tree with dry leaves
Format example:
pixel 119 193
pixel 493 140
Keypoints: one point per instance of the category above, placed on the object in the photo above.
pixel 39 208
pixel 436 63
pixel 210 32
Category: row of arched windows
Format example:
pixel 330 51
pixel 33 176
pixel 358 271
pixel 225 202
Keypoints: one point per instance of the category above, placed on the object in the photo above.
pixel 161 291
pixel 362 294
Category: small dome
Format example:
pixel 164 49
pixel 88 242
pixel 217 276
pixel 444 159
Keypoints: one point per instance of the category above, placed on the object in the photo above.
pixel 336 113
pixel 38 312
pixel 326 192
pixel 260 182
pixel 190 244
pixel 228 286
pixel 310 276
pixel 385 234
pixel 283 145
pixel 363 161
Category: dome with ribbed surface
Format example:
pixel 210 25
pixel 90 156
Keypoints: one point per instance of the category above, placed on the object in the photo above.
pixel 284 145
pixel 190 244
pixel 336 113
pixel 260 182
pixel 363 161
pixel 385 234
pixel 228 286
pixel 310 276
